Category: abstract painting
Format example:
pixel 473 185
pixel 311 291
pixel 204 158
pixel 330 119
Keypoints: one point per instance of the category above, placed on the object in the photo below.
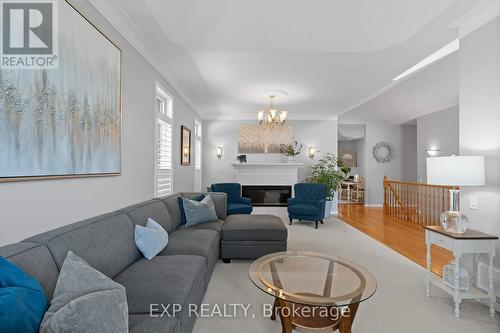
pixel 263 139
pixel 63 122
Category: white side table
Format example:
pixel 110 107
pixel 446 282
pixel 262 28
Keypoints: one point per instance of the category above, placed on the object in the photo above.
pixel 470 242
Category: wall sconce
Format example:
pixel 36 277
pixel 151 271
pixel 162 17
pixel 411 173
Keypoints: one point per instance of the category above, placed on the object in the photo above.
pixel 219 152
pixel 432 152
pixel 312 152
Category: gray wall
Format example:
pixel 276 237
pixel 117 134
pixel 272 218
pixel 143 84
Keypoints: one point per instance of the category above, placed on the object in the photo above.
pixel 31 207
pixel 480 122
pixel 437 130
pixel 409 153
pixel 376 130
pixel 321 134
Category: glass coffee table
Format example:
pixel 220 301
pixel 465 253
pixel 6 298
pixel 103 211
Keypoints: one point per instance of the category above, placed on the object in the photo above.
pixel 313 290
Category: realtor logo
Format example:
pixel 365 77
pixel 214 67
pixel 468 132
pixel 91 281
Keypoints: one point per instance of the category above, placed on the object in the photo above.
pixel 29 38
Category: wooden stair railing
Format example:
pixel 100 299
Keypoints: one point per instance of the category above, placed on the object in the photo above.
pixel 419 203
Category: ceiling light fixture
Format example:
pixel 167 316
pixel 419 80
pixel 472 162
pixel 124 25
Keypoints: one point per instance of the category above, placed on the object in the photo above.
pixel 441 53
pixel 271 116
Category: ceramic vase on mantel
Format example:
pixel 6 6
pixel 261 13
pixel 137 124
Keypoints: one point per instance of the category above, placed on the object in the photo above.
pixel 290 159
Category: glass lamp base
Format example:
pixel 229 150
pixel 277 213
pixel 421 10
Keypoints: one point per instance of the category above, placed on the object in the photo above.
pixel 454 221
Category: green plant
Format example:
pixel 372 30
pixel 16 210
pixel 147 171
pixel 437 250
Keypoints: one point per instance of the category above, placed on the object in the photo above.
pixel 330 171
pixel 291 150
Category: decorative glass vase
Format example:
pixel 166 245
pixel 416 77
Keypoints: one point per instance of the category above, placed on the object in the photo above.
pixel 290 159
pixel 453 220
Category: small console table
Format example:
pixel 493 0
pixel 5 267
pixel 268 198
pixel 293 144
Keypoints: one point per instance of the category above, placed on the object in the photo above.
pixel 470 242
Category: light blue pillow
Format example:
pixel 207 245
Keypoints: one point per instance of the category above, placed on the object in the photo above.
pixel 199 212
pixel 151 239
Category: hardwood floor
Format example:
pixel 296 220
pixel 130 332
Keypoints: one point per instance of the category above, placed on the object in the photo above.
pixel 399 235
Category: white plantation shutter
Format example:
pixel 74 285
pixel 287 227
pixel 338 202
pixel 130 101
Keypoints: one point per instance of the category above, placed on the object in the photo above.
pixel 197 157
pixel 164 164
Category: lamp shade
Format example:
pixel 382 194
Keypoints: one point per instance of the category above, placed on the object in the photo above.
pixel 456 170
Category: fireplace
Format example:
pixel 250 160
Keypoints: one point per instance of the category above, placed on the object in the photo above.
pixel 267 195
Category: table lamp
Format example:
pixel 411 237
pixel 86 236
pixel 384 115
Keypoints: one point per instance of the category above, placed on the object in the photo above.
pixel 455 171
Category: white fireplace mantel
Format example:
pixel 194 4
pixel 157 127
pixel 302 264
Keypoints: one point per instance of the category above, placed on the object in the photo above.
pixel 272 174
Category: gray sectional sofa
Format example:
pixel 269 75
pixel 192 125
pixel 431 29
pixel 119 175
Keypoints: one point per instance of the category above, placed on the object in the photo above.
pixel 178 275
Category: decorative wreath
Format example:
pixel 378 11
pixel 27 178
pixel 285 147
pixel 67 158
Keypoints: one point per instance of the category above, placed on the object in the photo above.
pixel 383 152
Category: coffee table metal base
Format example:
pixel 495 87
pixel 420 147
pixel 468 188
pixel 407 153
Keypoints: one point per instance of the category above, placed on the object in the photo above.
pixel 315 317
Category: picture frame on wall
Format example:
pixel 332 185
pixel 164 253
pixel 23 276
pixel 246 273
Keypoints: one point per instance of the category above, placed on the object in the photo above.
pixel 67 119
pixel 349 157
pixel 185 146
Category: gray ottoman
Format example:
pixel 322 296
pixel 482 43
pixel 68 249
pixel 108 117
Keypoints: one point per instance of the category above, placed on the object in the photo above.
pixel 252 236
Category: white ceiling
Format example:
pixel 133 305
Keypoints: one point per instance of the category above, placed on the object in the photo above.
pixel 329 55
pixel 430 90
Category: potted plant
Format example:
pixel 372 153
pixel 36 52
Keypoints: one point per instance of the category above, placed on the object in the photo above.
pixel 330 171
pixel 290 151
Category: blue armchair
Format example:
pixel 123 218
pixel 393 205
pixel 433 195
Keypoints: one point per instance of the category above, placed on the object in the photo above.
pixel 309 203
pixel 236 204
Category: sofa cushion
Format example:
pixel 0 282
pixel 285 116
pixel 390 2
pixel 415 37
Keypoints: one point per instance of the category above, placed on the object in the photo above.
pixel 254 228
pixel 154 209
pixel 171 202
pixel 144 323
pixel 215 226
pixel 85 301
pixel 48 235
pixel 204 243
pixel 178 279
pixel 22 300
pixel 105 243
pixel 304 209
pixel 35 260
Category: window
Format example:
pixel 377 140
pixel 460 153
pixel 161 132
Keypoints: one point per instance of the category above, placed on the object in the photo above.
pixel 164 125
pixel 197 156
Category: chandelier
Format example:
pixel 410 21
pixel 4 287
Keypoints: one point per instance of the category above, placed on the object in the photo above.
pixel 272 116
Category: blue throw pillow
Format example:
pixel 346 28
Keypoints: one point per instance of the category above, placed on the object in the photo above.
pixel 198 197
pixel 151 239
pixel 199 212
pixel 22 300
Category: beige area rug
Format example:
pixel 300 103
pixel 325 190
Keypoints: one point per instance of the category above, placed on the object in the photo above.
pixel 399 305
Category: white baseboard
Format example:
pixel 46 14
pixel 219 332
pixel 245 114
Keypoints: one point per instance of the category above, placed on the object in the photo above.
pixel 374 205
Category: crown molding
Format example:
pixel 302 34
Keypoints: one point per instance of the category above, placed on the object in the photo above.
pixel 112 11
pixel 477 17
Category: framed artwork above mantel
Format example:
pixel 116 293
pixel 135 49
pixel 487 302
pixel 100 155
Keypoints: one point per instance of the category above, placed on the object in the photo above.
pixel 64 122
pixel 261 139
